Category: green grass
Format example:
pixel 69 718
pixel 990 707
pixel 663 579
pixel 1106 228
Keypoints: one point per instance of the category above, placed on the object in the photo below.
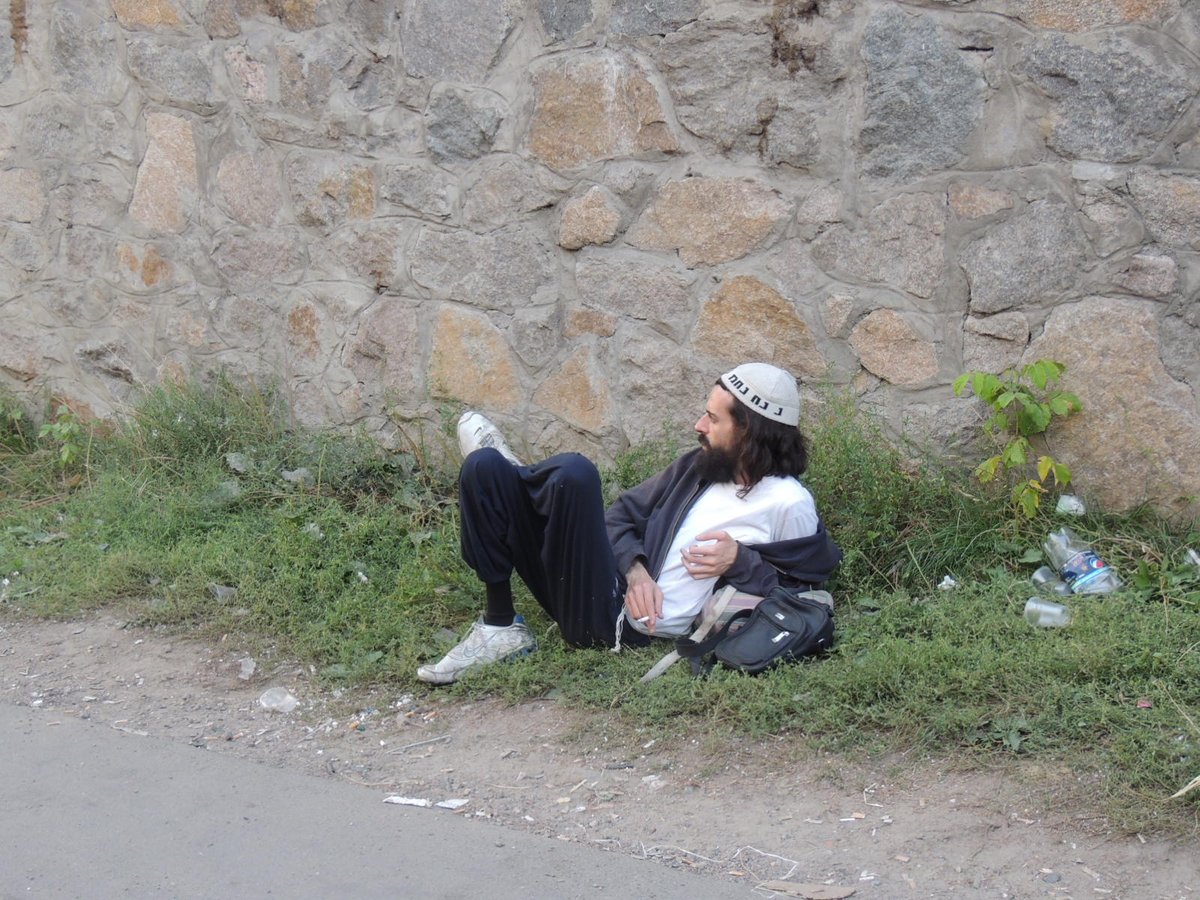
pixel 355 569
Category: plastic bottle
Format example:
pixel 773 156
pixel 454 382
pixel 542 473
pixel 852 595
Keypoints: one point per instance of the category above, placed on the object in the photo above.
pixel 1078 564
pixel 278 699
pixel 1047 579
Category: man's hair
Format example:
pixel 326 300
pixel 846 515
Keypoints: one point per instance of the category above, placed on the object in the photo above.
pixel 766 447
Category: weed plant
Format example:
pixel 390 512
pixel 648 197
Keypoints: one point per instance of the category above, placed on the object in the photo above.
pixel 205 511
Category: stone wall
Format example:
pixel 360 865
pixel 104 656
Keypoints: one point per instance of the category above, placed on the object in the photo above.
pixel 574 213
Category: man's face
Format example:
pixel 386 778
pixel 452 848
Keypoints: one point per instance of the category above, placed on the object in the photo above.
pixel 716 428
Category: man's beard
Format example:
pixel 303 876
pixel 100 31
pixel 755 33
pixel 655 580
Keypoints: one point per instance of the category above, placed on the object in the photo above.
pixel 716 464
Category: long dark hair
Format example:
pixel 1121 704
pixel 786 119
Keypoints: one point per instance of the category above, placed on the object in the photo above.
pixel 766 447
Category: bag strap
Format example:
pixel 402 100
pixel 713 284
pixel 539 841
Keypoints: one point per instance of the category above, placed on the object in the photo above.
pixel 699 654
pixel 696 636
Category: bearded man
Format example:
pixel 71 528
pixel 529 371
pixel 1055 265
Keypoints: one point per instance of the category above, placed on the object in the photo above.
pixel 730 512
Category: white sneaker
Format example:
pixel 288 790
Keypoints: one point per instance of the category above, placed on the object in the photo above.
pixel 483 644
pixel 476 430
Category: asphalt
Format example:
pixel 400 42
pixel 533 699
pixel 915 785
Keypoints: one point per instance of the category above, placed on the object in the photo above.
pixel 92 812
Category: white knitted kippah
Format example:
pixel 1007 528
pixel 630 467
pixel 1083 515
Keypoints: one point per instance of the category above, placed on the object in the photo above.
pixel 766 389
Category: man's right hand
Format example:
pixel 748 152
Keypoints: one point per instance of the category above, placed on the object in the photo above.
pixel 643 596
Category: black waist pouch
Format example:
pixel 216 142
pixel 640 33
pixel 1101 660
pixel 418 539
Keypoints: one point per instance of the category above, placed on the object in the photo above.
pixel 783 627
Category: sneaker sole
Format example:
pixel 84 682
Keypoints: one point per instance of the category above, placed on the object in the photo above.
pixel 429 676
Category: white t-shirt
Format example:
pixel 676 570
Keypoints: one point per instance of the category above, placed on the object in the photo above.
pixel 775 509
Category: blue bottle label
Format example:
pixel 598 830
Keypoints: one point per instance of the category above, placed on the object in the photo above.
pixel 1082 568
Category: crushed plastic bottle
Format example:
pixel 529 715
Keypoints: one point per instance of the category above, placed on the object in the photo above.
pixel 1078 565
pixel 1047 579
pixel 278 699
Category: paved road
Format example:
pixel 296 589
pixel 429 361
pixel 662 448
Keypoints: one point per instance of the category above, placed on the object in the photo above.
pixel 87 811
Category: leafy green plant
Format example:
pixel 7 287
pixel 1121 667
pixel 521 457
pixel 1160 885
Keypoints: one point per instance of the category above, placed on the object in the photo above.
pixel 66 432
pixel 1024 404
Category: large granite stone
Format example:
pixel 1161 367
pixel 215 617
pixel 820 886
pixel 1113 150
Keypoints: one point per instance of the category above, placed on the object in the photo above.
pixel 563 19
pixel 154 14
pixel 583 320
pixel 657 382
pixel 20 350
pixel 1181 347
pixel 1031 259
pixel 593 106
pixel 370 252
pixel 8 47
pixel 84 53
pixel 376 25
pixel 296 15
pixel 499 191
pixel 890 348
pixel 172 72
pixel 709 220
pixel 328 190
pixel 461 123
pixel 242 320
pixel 24 248
pixel 248 74
pixel 22 195
pixel 92 198
pixel 250 259
pixel 454 40
pixel 385 350
pixel 249 187
pixel 143 268
pixel 497 271
pixel 305 80
pixel 651 17
pixel 747 319
pixel 471 362
pixel 1111 222
pixel 591 218
pixel 165 193
pixel 1148 275
pixel 1111 104
pixel 220 18
pixel 1091 15
pixel 420 187
pixel 1170 206
pixel 637 289
pixel 309 333
pixel 536 334
pixel 577 392
pixel 974 201
pixel 792 265
pixel 1138 436
pixel 994 343
pixel 922 99
pixel 900 242
pixel 729 90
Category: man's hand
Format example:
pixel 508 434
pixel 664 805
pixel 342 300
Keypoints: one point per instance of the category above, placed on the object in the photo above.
pixel 643 596
pixel 713 557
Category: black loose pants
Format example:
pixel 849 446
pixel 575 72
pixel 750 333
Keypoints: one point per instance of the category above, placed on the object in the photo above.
pixel 546 522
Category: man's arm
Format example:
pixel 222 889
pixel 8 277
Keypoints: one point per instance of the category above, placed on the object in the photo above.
pixel 801 561
pixel 643 596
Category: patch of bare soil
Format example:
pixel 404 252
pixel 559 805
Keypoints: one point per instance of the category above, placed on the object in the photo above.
pixel 753 813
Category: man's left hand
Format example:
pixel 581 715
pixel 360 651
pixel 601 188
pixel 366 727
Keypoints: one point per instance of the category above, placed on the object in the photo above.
pixel 713 558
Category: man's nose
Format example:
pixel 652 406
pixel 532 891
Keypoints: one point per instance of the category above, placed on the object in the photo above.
pixel 702 425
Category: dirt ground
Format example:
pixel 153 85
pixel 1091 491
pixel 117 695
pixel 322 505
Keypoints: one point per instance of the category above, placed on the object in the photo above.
pixel 752 813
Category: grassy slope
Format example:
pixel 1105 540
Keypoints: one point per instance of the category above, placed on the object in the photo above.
pixel 355 568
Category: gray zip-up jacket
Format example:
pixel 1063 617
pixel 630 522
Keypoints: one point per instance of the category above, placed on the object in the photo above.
pixel 643 521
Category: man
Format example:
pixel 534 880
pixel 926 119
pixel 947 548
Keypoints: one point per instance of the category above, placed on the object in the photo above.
pixel 731 511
